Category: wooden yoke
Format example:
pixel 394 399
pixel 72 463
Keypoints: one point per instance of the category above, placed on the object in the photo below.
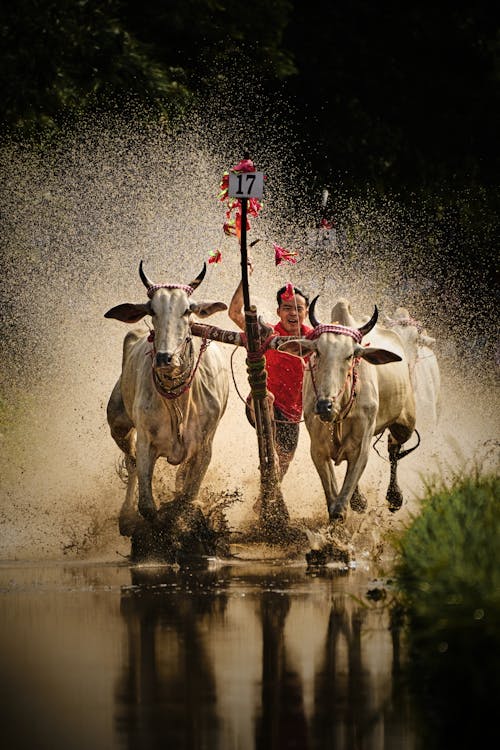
pixel 237 338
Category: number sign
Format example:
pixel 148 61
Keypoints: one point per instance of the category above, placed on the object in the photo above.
pixel 246 185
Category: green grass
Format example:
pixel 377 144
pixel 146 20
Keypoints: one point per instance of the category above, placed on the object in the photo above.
pixel 447 579
pixel 448 566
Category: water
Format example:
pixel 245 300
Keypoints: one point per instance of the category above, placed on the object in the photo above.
pixel 247 655
pixel 99 654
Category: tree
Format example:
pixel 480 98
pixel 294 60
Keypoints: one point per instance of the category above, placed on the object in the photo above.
pixel 57 56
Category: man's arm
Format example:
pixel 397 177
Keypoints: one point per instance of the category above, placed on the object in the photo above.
pixel 235 311
pixel 236 306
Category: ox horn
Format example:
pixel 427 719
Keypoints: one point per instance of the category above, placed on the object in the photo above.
pixel 312 316
pixel 367 327
pixel 197 281
pixel 147 283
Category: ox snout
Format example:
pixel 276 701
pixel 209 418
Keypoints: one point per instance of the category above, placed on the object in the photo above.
pixel 324 409
pixel 166 359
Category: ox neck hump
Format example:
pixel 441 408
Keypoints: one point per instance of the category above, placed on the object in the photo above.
pixel 341 313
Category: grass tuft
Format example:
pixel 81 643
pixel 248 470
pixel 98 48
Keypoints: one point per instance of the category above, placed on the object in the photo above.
pixel 447 578
pixel 448 557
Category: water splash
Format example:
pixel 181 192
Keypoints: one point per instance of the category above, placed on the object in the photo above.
pixel 79 215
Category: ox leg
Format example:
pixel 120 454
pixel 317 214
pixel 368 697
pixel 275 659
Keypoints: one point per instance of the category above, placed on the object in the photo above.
pixel 128 517
pixel 355 466
pixel 437 410
pixel 324 467
pixel 123 433
pixel 146 459
pixel 358 501
pixel 394 495
pixel 191 473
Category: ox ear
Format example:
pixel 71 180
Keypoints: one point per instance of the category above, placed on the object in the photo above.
pixel 128 313
pixel 376 356
pixel 204 309
pixel 298 347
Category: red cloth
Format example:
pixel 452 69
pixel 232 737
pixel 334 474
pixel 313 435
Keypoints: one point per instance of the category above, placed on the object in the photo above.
pixel 285 373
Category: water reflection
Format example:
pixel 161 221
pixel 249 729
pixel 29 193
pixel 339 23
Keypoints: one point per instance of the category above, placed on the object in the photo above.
pixel 166 696
pixel 246 658
pixel 241 657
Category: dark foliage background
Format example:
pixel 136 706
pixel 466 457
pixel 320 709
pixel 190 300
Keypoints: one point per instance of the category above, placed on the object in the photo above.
pixel 403 97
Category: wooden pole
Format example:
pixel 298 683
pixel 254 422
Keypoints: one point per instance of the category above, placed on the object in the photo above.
pixel 244 254
pixel 273 512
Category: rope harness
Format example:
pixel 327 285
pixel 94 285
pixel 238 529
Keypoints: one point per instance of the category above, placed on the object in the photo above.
pixel 254 366
pixel 354 333
pixel 257 374
pixel 181 383
pixel 352 373
pixel 392 322
pixel 154 288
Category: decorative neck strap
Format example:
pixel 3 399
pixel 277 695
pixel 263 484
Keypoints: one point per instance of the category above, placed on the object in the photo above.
pixel 342 330
pixel 405 322
pixel 185 287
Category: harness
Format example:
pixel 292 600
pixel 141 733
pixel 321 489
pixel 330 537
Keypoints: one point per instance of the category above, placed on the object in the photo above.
pixel 352 373
pixel 392 322
pixel 180 383
pixel 154 288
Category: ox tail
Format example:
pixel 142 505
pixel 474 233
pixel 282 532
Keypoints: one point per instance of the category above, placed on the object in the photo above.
pixel 402 454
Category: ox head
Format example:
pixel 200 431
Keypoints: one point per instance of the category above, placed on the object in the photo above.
pixel 336 350
pixel 170 309
pixel 410 331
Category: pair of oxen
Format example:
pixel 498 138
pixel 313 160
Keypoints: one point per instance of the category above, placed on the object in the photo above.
pixel 173 391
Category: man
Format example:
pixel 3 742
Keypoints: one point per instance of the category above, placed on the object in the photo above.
pixel 285 372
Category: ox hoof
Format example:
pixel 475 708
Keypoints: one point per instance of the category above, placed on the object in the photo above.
pixel 335 548
pixel 317 558
pixel 127 524
pixel 320 558
pixel 358 502
pixel 336 516
pixel 148 512
pixel 394 499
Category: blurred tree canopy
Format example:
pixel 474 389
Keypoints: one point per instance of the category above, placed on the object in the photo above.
pixel 410 91
pixel 399 94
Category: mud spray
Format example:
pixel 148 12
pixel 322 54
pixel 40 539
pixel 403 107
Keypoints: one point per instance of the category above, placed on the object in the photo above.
pixel 78 218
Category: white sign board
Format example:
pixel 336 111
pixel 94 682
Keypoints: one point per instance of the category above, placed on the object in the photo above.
pixel 246 185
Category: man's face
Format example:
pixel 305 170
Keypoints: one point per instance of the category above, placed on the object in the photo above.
pixel 292 313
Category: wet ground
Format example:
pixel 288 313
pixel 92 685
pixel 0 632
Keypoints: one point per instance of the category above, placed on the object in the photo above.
pixel 246 654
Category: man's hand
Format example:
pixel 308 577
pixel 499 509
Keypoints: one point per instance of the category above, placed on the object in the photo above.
pixel 265 329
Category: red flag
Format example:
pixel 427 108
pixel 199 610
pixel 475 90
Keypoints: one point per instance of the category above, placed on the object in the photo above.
pixel 280 255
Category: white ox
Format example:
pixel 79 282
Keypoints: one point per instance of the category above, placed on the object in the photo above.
pixel 423 364
pixel 170 396
pixel 347 401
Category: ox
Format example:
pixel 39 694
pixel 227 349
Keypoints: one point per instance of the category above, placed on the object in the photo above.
pixel 423 364
pixel 347 402
pixel 169 398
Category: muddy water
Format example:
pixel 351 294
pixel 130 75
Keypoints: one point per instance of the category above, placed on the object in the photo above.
pixel 98 654
pixel 243 655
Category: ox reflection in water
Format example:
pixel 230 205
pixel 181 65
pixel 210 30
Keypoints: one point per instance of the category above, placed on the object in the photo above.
pixel 169 398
